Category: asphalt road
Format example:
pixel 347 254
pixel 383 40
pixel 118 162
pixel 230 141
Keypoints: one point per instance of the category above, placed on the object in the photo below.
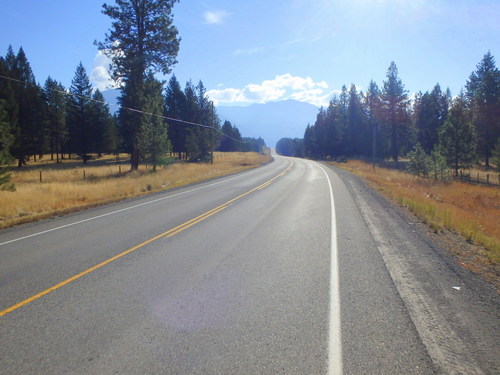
pixel 248 274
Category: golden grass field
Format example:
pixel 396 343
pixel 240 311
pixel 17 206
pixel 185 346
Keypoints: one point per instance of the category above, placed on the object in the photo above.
pixel 472 211
pixel 63 188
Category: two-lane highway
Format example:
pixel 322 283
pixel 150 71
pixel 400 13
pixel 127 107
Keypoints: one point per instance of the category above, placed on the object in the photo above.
pixel 283 269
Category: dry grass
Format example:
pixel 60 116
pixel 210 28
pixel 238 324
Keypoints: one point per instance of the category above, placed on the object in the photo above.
pixel 484 175
pixel 472 211
pixel 64 190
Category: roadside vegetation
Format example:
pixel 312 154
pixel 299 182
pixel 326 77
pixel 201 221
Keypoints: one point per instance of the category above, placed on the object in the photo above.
pixel 64 189
pixel 470 210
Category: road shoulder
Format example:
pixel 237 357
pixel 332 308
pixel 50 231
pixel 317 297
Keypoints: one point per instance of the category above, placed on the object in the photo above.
pixel 458 327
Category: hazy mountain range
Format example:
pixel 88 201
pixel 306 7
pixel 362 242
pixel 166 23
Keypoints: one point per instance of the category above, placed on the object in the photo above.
pixel 270 121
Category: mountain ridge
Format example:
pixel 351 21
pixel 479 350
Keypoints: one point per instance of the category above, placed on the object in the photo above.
pixel 272 120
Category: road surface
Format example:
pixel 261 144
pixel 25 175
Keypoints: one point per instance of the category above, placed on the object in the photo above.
pixel 291 268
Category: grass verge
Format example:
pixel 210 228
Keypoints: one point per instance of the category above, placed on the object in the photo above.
pixel 472 211
pixel 63 188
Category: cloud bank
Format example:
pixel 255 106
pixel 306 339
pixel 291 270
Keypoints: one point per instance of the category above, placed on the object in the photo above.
pixel 282 87
pixel 99 77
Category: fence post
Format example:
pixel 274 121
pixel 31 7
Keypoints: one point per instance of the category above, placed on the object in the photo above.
pixel 487 178
pixel 477 176
pixel 41 177
pixel 119 169
pixel 84 174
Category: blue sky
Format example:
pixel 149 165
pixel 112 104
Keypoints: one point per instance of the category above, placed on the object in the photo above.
pixel 248 51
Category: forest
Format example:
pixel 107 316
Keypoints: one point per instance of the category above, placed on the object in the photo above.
pixel 153 122
pixel 50 119
pixel 433 129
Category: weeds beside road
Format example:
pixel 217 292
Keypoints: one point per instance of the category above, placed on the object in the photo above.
pixel 472 211
pixel 70 186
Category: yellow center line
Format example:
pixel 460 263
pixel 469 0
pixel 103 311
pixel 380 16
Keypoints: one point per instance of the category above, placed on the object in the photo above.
pixel 169 233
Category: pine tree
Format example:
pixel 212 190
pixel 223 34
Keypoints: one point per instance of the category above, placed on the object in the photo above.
pixel 79 115
pixel 231 138
pixel 372 107
pixel 200 141
pixel 419 163
pixel 102 125
pixel 430 111
pixel 175 102
pixel 226 143
pixel 496 154
pixel 153 142
pixel 457 137
pixel 394 106
pixel 6 141
pixel 28 129
pixel 357 136
pixel 142 39
pixel 55 100
pixel 483 91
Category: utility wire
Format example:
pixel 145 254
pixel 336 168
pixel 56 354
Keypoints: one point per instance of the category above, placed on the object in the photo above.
pixel 131 109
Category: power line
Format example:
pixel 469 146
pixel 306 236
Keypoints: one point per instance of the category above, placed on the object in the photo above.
pixel 131 109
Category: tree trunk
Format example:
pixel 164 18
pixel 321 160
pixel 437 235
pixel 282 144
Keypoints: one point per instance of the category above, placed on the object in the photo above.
pixel 134 160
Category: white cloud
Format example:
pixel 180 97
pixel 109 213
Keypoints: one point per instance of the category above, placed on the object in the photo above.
pixel 282 87
pixel 99 77
pixel 215 17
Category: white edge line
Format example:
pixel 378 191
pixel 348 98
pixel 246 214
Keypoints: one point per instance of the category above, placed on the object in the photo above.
pixel 126 209
pixel 334 331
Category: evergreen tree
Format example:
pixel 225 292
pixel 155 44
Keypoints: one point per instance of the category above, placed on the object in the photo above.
pixel 6 141
pixel 55 100
pixel 253 145
pixel 394 107
pixel 28 130
pixel 419 163
pixel 290 147
pixel 372 107
pixel 200 140
pixel 80 127
pixel 153 142
pixel 231 138
pixel 9 106
pixel 483 91
pixel 438 165
pixel 175 103
pixel 430 110
pixel 457 137
pixel 310 142
pixel 356 122
pixel 340 123
pixel 142 39
pixel 102 126
pixel 496 154
pixel 191 113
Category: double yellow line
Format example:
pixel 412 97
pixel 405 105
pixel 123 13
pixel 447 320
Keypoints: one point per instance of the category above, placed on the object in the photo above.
pixel 169 233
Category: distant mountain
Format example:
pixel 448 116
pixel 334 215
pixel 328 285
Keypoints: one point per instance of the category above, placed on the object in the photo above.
pixel 271 121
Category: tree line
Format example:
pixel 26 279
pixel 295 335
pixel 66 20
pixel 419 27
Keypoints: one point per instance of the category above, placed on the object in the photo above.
pixel 383 123
pixel 36 120
pixel 50 119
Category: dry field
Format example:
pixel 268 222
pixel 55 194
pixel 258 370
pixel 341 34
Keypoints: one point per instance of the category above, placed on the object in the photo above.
pixel 470 210
pixel 63 188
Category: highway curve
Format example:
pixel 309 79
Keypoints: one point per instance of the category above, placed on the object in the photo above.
pixel 291 268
